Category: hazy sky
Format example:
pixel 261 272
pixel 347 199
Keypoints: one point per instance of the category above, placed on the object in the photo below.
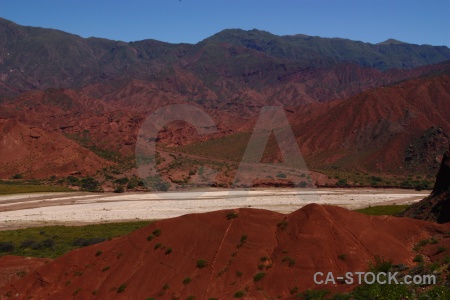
pixel 189 21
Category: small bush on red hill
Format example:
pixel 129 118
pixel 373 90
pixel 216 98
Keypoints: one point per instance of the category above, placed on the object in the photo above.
pixel 231 215
pixel 201 263
pixel 259 276
pixel 121 288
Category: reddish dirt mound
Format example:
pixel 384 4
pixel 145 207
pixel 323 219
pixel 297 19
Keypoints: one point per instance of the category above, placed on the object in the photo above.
pixel 14 267
pixel 218 254
pixel 32 151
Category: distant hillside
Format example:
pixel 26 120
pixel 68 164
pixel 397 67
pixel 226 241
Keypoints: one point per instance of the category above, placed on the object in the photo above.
pixel 37 58
pixel 382 56
pixel 352 105
pixel 399 129
pixel 33 151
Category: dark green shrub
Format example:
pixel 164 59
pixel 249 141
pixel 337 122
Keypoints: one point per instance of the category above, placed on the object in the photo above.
pixel 380 265
pixel 48 243
pixel 82 242
pixel 121 181
pixel 294 290
pixel 187 280
pixel 239 294
pixel 201 263
pixel 131 185
pixel 340 296
pixel 381 291
pixel 77 291
pixel 441 249
pixel 302 184
pixel 121 288
pixel 163 186
pixel 231 215
pixel 434 266
pixel 243 238
pixel 119 189
pixel 418 258
pixel 72 180
pixel 314 294
pixel 436 293
pixel 282 225
pixel 342 182
pixel 89 184
pixel 376 179
pixel 423 185
pixel 242 241
pixel 290 261
pixel 30 243
pixel 406 184
pixel 6 247
pixel 420 244
pixel 259 276
pixel 342 256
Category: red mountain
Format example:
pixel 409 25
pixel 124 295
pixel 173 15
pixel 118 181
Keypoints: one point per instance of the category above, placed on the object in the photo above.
pixel 25 149
pixel 383 129
pixel 385 110
pixel 401 128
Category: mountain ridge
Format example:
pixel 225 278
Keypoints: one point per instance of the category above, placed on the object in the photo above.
pixel 37 58
pixel 98 91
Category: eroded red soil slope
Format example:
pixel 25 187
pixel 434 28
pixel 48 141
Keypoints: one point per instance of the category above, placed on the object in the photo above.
pixel 26 149
pixel 212 255
pixel 14 267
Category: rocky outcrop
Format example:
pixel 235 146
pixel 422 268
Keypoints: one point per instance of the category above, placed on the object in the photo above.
pixel 443 177
pixel 436 207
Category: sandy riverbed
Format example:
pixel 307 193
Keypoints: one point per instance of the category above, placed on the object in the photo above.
pixel 79 208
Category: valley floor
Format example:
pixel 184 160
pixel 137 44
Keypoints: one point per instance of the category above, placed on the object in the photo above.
pixel 25 210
